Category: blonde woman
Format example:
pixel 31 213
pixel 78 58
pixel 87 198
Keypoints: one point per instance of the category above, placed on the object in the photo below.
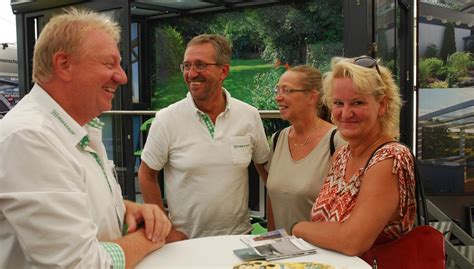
pixel 369 193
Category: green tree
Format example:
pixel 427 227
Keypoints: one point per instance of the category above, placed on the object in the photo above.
pixel 287 30
pixel 448 46
pixel 167 54
pixel 238 27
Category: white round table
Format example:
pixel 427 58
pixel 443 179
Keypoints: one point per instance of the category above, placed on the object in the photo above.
pixel 217 252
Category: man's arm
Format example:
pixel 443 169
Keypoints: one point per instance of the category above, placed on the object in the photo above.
pixel 152 194
pixel 150 188
pixel 136 246
pixel 262 171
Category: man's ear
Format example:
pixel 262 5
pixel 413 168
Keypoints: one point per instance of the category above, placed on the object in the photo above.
pixel 62 65
pixel 225 71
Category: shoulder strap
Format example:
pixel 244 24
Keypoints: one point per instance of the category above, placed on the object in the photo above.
pixel 332 147
pixel 275 139
pixel 373 153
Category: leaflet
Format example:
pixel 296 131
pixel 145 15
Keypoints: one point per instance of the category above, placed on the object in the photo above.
pixel 272 246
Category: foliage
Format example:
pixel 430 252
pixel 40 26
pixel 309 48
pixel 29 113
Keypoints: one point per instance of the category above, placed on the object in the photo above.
pixel 455 68
pixel 437 143
pixel 296 32
pixel 262 92
pixel 263 97
pixel 460 61
pixel 438 84
pixel 238 27
pixel 391 65
pixel 321 53
pixel 189 26
pixel 167 53
pixel 239 83
pixel 433 72
pixel 431 51
pixel 448 46
pixel 427 69
pixel 298 25
pixel 166 93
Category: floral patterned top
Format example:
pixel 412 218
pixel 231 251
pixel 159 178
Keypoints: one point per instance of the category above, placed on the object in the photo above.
pixel 337 198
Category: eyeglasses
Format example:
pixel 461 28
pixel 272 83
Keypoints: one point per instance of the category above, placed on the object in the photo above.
pixel 198 67
pixel 285 91
pixel 368 62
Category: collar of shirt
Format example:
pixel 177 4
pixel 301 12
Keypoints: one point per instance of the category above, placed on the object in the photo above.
pixel 94 134
pixel 71 131
pixel 190 100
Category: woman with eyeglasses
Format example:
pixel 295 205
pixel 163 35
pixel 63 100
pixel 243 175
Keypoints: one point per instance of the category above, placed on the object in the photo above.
pixel 368 197
pixel 301 153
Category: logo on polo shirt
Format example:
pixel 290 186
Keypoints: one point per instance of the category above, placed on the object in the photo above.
pixel 241 146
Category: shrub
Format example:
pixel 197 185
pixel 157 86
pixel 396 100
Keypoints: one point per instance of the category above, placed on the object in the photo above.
pixel 460 61
pixel 438 84
pixel 427 70
pixel 457 66
pixel 263 97
pixel 431 51
pixel 262 92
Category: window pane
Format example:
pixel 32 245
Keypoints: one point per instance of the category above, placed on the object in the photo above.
pixel 446 97
pixel 309 32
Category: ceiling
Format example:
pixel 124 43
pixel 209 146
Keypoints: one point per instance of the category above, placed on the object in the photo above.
pixel 148 8
pixel 166 8
pixel 465 6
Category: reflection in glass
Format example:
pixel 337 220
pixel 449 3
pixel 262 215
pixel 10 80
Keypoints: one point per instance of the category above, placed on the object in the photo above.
pixel 446 97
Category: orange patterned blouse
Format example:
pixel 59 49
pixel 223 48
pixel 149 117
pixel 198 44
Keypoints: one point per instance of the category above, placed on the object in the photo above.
pixel 337 198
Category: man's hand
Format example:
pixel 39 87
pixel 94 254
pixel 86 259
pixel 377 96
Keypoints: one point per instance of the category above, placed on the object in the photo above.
pixel 175 235
pixel 157 224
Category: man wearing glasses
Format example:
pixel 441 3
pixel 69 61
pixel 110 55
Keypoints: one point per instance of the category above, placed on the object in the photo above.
pixel 205 143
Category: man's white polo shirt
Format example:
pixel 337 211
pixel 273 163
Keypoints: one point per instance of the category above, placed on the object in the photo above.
pixel 206 178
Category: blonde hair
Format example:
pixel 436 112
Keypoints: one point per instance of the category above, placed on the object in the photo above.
pixel 220 44
pixel 368 81
pixel 65 33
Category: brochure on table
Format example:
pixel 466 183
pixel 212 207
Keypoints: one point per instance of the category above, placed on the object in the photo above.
pixel 273 245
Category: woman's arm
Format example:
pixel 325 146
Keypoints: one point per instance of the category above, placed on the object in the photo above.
pixel 376 205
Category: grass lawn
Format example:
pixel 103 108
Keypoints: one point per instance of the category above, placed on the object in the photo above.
pixel 238 83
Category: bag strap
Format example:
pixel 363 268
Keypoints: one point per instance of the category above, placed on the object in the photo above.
pixel 421 209
pixel 420 196
pixel 332 147
pixel 275 138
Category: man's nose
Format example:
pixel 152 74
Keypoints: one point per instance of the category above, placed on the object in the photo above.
pixel 192 72
pixel 119 76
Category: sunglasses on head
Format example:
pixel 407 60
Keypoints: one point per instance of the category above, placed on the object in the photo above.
pixel 368 62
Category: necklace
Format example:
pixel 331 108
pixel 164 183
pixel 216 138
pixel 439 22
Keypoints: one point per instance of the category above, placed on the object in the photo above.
pixel 307 137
